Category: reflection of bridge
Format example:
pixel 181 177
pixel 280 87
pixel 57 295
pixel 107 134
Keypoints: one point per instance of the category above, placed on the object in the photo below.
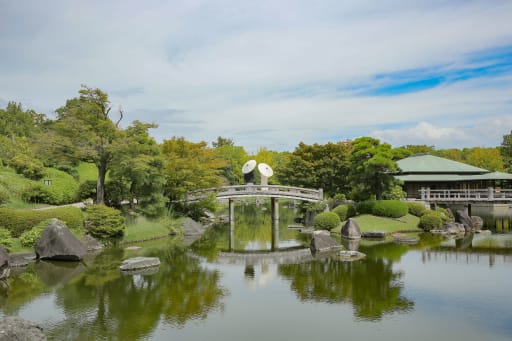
pixel 242 191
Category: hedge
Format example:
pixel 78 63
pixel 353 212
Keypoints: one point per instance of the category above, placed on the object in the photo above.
pixel 104 222
pixel 416 209
pixel 390 208
pixel 344 211
pixel 326 221
pixel 365 207
pixel 430 221
pixel 19 221
pixel 5 238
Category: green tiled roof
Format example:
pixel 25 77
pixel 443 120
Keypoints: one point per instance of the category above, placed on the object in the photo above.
pixel 433 164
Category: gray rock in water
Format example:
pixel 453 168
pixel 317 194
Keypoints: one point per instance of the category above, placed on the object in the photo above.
pixel 453 228
pixel 16 328
pixel 138 263
pixel 350 256
pixel 373 234
pixel 192 228
pixel 21 259
pixel 58 243
pixel 350 230
pixel 5 270
pixel 463 218
pixel 478 222
pixel 322 241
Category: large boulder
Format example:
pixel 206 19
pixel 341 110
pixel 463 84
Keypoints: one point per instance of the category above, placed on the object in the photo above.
pixel 16 328
pixel 350 230
pixel 463 218
pixel 478 222
pixel 322 241
pixel 4 263
pixel 58 243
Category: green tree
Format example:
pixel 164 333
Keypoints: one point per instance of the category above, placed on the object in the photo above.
pixel 487 158
pixel 92 136
pixel 189 166
pixel 317 166
pixel 506 151
pixel 223 141
pixel 234 157
pixel 372 168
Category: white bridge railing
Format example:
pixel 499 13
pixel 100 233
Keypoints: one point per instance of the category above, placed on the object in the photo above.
pixel 232 192
pixel 488 194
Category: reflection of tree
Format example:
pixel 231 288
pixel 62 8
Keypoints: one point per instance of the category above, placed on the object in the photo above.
pixel 371 285
pixel 125 307
pixel 23 288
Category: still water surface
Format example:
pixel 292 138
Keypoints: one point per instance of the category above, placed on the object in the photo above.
pixel 436 290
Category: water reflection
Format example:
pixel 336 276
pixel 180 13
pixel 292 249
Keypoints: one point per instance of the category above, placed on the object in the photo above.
pixel 371 286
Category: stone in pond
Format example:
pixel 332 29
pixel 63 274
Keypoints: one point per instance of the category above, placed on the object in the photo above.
pixel 322 241
pixel 58 243
pixel 138 263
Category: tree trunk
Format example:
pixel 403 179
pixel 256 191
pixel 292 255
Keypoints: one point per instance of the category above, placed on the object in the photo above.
pixel 100 184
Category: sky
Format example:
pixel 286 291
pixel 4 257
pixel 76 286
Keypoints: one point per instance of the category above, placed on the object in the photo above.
pixel 271 73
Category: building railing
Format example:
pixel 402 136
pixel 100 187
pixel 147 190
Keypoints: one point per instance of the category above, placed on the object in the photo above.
pixel 488 194
pixel 231 192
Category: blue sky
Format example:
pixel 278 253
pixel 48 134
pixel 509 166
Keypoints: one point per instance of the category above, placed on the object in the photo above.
pixel 272 73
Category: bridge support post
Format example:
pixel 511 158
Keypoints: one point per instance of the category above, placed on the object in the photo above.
pixel 274 246
pixel 231 210
pixel 231 235
pixel 275 208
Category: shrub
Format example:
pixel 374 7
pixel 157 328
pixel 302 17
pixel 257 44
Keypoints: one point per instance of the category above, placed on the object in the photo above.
pixel 416 209
pixel 104 222
pixel 431 220
pixel 30 237
pixel 365 207
pixel 344 211
pixel 445 214
pixel 4 195
pixel 5 238
pixel 390 208
pixel 19 221
pixel 326 221
pixel 395 193
pixel 86 190
pixel 28 166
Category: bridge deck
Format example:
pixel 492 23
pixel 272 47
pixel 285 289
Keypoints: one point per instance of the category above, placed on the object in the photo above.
pixel 240 191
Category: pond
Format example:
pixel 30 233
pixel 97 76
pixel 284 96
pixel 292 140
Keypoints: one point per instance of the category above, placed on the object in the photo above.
pixel 214 290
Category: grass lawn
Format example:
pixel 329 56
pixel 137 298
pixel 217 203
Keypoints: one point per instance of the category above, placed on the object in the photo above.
pixel 144 229
pixel 369 222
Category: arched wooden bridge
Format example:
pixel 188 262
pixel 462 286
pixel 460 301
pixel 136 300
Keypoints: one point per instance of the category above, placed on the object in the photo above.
pixel 231 193
pixel 241 191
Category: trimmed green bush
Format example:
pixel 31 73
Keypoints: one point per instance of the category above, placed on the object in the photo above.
pixel 344 211
pixel 326 221
pixel 431 220
pixel 445 215
pixel 30 237
pixel 86 190
pixel 6 238
pixel 4 195
pixel 416 209
pixel 365 207
pixel 19 221
pixel 104 222
pixel 390 208
pixel 28 166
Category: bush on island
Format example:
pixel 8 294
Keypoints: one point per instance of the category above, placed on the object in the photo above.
pixel 326 221
pixel 431 220
pixel 390 208
pixel 104 222
pixel 344 211
pixel 416 209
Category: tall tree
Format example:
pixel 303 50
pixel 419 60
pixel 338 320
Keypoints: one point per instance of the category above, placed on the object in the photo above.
pixel 487 158
pixel 372 168
pixel 94 137
pixel 234 157
pixel 506 151
pixel 317 166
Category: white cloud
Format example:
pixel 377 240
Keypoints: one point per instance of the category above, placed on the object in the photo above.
pixel 264 73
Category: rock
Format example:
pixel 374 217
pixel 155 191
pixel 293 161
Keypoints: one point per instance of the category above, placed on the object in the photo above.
pixel 478 222
pixel 322 241
pixel 463 218
pixel 4 263
pixel 192 228
pixel 138 263
pixel 57 243
pixel 351 230
pixel 21 259
pixel 373 234
pixel 453 228
pixel 91 244
pixel 402 238
pixel 350 256
pixel 484 232
pixel 16 328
